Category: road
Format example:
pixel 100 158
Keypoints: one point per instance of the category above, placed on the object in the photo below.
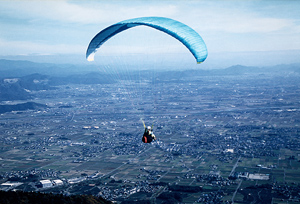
pixel 235 165
pixel 237 188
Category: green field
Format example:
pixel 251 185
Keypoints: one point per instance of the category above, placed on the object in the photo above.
pixel 200 143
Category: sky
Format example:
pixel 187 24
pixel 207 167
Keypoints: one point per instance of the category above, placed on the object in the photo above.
pixel 248 32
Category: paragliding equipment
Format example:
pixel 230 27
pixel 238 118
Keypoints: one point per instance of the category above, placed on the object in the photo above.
pixel 186 35
pixel 136 85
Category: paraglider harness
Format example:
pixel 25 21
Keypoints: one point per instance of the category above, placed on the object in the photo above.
pixel 147 137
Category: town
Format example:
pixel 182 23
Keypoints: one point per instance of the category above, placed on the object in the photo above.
pixel 220 139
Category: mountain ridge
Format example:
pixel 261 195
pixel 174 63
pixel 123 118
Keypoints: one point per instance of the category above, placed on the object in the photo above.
pixel 16 87
pixel 19 68
pixel 21 107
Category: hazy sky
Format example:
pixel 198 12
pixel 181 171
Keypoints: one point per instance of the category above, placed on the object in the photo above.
pixel 66 27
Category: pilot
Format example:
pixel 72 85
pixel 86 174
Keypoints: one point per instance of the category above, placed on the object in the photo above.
pixel 148 136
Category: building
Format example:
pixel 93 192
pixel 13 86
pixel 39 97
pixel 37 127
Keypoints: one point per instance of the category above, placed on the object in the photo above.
pixel 10 184
pixel 57 182
pixel 259 176
pixel 76 180
pixel 45 183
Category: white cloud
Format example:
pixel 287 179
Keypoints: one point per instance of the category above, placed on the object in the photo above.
pixel 248 24
pixel 202 15
pixel 27 47
pixel 232 19
pixel 85 12
pixel 52 26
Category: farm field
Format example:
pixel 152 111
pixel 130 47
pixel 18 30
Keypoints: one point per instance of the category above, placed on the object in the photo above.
pixel 206 152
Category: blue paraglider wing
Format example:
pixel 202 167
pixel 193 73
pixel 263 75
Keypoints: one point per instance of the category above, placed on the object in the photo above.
pixel 186 35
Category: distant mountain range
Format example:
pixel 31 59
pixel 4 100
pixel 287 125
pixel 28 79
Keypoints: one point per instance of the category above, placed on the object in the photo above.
pixel 19 68
pixel 15 68
pixel 21 107
pixel 19 78
pixel 19 88
pixel 12 90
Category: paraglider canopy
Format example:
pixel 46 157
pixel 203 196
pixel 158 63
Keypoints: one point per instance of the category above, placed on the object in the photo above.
pixel 186 35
